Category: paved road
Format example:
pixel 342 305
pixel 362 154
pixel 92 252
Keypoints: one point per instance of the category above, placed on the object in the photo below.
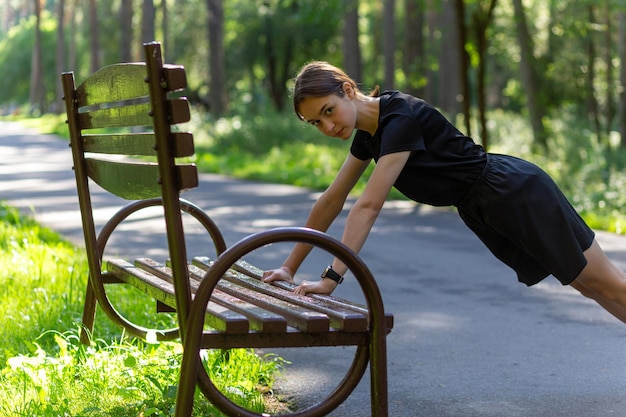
pixel 468 339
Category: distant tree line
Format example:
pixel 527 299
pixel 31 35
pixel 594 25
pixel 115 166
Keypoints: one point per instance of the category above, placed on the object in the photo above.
pixel 465 56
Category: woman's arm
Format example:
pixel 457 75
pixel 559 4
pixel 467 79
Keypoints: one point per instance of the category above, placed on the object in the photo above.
pixel 362 216
pixel 324 212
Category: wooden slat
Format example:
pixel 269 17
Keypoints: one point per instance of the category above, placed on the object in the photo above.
pixel 218 316
pixel 179 110
pixel 117 82
pixel 343 315
pixel 297 316
pixel 290 339
pixel 139 144
pixel 136 144
pixel 252 271
pixel 117 115
pixel 129 180
pixel 136 180
pixel 260 319
pixel 175 77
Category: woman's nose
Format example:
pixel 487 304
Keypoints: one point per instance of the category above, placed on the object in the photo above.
pixel 328 126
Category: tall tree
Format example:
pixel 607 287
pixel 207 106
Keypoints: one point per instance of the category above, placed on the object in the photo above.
pixel 60 54
pixel 389 43
pixel 218 100
pixel 414 57
pixel 622 76
pixel 94 40
pixel 608 62
pixel 126 30
pixel 351 46
pixel 448 73
pixel 464 66
pixel 481 18
pixel 148 14
pixel 36 74
pixel 528 68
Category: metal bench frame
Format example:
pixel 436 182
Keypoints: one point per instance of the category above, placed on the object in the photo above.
pixel 149 95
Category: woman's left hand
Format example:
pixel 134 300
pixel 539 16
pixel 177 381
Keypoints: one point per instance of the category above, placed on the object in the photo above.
pixel 325 286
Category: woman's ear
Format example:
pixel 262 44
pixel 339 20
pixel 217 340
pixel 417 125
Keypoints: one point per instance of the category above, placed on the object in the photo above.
pixel 348 90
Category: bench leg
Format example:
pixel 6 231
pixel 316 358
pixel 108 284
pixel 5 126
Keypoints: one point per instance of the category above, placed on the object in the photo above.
pixel 378 375
pixel 89 314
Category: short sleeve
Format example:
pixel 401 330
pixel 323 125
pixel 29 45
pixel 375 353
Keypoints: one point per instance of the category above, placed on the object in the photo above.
pixel 400 133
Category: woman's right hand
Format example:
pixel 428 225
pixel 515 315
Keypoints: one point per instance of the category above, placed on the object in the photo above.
pixel 279 274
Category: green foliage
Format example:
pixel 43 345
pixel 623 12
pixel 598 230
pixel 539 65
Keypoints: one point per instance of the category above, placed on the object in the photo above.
pixel 124 379
pixel 45 371
pixel 15 60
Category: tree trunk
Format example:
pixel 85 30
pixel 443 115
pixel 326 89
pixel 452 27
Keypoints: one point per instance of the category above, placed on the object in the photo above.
pixel 622 77
pixel 60 55
pixel 351 47
pixel 481 23
pixel 608 59
pixel 36 71
pixel 148 13
pixel 389 42
pixel 413 60
pixel 126 31
pixel 464 66
pixel 529 78
pixel 592 103
pixel 71 17
pixel 217 89
pixel 448 75
pixel 94 41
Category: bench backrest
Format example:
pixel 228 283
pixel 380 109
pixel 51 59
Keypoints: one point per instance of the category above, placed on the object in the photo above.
pixel 117 117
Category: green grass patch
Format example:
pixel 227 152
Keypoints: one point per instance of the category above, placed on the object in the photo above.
pixel 46 372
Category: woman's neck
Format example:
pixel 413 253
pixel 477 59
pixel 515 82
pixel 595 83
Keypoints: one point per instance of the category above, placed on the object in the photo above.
pixel 367 113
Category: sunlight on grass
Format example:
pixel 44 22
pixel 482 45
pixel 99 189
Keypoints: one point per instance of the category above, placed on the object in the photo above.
pixel 45 370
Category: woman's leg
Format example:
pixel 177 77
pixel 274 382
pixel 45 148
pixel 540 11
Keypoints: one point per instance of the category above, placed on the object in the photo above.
pixel 603 281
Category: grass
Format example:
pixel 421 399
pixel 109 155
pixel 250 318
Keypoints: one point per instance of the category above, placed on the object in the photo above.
pixel 46 372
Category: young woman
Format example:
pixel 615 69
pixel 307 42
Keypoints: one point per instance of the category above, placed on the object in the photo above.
pixel 512 205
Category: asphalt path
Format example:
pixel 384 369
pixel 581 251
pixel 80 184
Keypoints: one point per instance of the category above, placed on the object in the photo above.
pixel 469 340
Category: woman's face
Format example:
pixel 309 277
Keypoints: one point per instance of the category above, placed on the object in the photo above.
pixel 333 115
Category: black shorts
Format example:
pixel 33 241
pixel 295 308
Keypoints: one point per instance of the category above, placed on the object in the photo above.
pixel 520 214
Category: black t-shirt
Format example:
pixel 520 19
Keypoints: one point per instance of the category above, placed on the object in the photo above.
pixel 443 163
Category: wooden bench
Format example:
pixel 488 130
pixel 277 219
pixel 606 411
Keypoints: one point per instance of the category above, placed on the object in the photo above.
pixel 220 303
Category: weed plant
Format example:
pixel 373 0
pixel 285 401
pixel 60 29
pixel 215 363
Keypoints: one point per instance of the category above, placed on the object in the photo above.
pixel 46 372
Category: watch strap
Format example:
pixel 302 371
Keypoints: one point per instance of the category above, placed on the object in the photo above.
pixel 329 272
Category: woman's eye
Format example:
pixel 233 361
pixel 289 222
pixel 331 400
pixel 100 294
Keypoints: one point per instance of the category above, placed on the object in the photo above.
pixel 329 111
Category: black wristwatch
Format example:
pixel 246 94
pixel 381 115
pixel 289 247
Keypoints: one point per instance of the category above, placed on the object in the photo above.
pixel 330 273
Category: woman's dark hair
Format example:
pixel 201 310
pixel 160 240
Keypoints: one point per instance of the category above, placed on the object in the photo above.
pixel 320 79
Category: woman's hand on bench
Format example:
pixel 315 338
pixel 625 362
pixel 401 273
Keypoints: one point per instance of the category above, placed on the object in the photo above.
pixel 279 274
pixel 324 286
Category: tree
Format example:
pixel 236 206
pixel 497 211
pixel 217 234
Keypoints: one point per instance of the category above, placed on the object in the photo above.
pixel 126 30
pixel 36 74
pixel 148 13
pixel 351 47
pixel 217 95
pixel 389 43
pixel 60 55
pixel 464 65
pixel 481 17
pixel 414 58
pixel 94 40
pixel 622 76
pixel 530 81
